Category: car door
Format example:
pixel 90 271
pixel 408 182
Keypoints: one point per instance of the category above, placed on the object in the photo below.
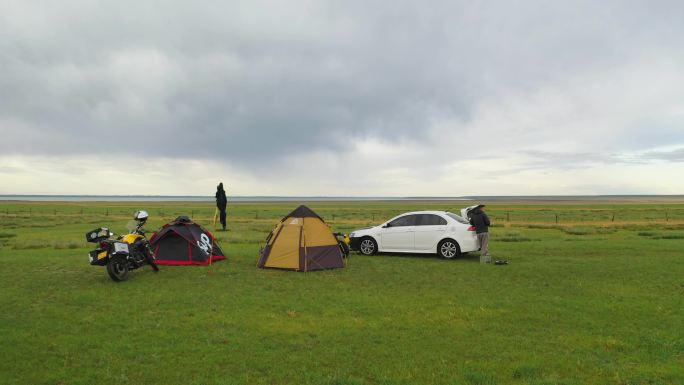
pixel 397 235
pixel 429 230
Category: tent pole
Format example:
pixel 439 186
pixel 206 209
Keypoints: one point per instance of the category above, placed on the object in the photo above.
pixel 211 248
pixel 306 260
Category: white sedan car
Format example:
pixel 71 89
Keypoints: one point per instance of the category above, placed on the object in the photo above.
pixel 441 232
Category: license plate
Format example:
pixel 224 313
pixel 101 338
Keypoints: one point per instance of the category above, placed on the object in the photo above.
pixel 121 248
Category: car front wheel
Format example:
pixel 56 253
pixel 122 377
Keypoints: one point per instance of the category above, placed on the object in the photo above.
pixel 448 249
pixel 367 246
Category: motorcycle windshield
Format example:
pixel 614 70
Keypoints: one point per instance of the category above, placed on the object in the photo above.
pixel 131 226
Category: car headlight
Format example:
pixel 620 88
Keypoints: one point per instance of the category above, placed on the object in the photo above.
pixel 351 235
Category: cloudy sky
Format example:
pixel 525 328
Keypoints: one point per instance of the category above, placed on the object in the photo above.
pixel 343 98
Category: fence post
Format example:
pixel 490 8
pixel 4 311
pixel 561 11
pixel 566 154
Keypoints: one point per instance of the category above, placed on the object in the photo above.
pixel 107 213
pixel 667 218
pixel 256 214
pixel 612 219
pixel 508 216
pixel 556 218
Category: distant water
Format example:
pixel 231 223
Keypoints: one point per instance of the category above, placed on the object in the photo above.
pixel 195 198
pixel 182 198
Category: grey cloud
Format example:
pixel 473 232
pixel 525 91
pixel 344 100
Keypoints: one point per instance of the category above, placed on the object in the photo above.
pixel 671 156
pixel 572 160
pixel 567 160
pixel 249 82
pixel 10 170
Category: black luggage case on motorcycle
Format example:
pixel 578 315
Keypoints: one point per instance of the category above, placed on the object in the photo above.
pixel 97 235
pixel 94 258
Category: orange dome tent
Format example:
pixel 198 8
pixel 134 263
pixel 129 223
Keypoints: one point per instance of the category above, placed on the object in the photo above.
pixel 302 241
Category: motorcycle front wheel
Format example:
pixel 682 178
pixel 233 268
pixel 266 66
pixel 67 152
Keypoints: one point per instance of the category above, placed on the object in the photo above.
pixel 345 248
pixel 150 261
pixel 117 268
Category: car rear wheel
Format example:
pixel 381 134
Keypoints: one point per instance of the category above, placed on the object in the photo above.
pixel 448 248
pixel 367 246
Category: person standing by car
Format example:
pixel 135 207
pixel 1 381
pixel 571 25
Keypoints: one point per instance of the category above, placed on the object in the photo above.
pixel 480 220
pixel 221 203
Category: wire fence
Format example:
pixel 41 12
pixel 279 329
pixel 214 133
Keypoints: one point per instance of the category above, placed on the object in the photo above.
pixel 574 216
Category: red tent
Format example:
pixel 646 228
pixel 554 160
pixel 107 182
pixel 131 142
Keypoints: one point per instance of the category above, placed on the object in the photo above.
pixel 184 242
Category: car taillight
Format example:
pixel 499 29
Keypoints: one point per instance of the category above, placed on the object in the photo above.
pixel 104 245
pixel 471 228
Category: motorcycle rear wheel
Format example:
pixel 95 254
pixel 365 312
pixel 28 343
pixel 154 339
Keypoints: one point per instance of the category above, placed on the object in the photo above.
pixel 117 268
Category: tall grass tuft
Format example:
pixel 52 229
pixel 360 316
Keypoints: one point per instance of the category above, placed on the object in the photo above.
pixel 512 237
pixel 658 235
pixel 669 236
pixel 66 245
pixel 579 230
pixel 33 244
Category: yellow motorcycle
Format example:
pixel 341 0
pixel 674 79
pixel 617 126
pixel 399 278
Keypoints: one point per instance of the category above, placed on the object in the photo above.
pixel 126 252
pixel 343 241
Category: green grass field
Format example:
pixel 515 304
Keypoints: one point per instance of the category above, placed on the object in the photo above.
pixel 594 294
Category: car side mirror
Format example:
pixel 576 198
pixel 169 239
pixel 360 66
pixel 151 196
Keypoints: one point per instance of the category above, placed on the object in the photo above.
pixel 386 225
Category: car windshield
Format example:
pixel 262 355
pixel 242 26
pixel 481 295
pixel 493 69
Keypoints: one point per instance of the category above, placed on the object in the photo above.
pixel 457 218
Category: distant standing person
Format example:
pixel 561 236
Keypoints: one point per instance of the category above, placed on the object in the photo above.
pixel 221 203
pixel 480 220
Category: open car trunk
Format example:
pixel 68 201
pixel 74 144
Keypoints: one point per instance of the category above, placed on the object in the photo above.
pixel 465 212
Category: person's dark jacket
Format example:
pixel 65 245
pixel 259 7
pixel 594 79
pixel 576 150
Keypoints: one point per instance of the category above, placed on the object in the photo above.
pixel 480 220
pixel 221 200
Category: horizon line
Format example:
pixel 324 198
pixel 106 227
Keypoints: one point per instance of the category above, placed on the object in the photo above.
pixel 340 196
